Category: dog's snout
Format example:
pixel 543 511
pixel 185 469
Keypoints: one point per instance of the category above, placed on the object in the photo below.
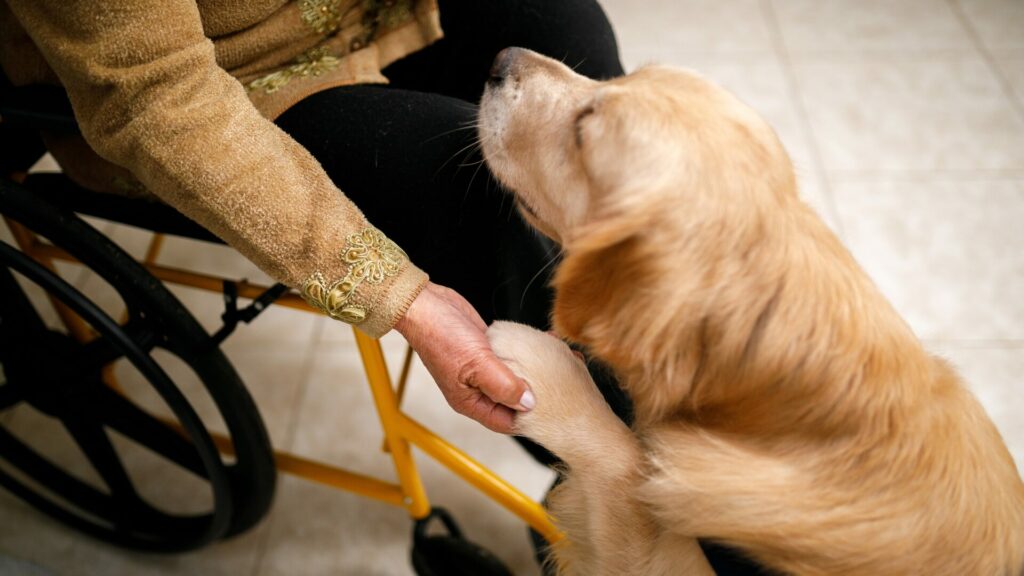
pixel 505 64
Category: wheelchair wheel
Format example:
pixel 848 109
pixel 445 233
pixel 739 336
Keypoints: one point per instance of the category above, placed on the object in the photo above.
pixel 62 378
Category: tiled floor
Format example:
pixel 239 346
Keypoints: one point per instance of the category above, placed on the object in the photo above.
pixel 906 122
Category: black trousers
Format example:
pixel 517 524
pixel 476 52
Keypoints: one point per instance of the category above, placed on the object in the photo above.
pixel 407 155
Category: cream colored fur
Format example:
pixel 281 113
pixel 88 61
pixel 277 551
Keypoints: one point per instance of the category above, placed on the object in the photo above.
pixel 782 405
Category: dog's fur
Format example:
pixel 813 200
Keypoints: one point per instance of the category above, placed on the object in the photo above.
pixel 782 406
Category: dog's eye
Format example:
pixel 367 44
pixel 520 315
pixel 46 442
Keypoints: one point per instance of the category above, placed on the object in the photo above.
pixel 578 124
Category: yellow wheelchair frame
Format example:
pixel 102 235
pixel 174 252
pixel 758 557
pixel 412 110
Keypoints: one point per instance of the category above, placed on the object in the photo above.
pixel 400 431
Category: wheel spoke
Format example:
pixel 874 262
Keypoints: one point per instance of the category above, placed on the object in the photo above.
pixel 123 415
pixel 136 523
pixel 41 471
pixel 9 395
pixel 95 444
pixel 18 318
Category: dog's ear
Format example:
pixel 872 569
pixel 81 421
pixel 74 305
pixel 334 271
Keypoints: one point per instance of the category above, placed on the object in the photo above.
pixel 603 138
pixel 628 150
pixel 592 285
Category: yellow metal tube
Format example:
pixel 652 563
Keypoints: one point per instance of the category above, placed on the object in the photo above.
pixel 403 378
pixel 483 479
pixel 337 478
pixel 390 418
pixel 317 472
pixel 153 251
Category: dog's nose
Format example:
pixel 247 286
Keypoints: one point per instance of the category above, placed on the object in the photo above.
pixel 505 64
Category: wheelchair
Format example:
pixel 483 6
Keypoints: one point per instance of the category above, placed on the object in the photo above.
pixel 65 373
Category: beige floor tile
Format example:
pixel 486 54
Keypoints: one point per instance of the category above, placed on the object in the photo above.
pixel 39 298
pixel 45 164
pixel 48 437
pixel 338 425
pixel 134 241
pixel 910 114
pixel 760 82
pixel 945 253
pixel 995 377
pixel 999 23
pixel 1012 67
pixel 815 191
pixel 869 26
pixel 13 565
pixel 316 530
pixel 5 233
pixel 695 25
pixel 29 535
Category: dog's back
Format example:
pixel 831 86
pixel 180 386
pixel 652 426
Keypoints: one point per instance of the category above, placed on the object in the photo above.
pixel 944 499
pixel 828 441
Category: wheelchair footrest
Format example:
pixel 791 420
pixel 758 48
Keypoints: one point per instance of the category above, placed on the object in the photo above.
pixel 450 554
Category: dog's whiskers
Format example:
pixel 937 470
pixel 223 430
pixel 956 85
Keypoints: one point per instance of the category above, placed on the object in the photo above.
pixel 468 149
pixel 554 258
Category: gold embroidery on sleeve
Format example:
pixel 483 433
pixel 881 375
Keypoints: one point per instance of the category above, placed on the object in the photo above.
pixel 313 63
pixel 323 16
pixel 372 258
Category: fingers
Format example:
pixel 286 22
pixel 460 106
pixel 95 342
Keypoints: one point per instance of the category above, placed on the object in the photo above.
pixel 495 417
pixel 472 403
pixel 492 377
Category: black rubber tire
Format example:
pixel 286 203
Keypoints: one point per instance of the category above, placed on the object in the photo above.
pixel 242 489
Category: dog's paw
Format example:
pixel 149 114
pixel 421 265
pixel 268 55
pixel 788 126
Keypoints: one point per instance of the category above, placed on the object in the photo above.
pixel 569 407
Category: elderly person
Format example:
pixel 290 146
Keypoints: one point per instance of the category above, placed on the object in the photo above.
pixel 331 142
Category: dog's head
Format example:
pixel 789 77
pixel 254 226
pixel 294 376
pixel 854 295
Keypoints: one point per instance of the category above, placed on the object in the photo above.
pixel 651 182
pixel 576 151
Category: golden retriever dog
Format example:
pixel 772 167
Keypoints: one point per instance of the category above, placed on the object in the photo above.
pixel 782 405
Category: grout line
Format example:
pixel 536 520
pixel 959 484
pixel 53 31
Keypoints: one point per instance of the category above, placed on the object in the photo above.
pixel 888 53
pixel 986 55
pixel 967 175
pixel 263 541
pixel 306 372
pixel 796 98
pixel 857 54
pixel 942 344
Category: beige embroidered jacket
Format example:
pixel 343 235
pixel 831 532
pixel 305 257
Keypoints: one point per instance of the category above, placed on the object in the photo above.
pixel 181 94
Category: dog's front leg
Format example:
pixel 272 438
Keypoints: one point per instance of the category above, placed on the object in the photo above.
pixel 609 532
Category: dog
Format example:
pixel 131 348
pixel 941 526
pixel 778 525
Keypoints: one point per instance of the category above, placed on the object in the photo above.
pixel 782 406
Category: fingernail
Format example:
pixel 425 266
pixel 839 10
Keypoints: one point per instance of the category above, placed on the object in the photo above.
pixel 527 401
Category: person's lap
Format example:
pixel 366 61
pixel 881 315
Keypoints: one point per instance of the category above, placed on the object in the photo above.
pixel 406 153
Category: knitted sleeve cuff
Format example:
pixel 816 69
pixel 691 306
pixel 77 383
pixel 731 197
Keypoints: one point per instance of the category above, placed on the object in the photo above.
pixel 376 286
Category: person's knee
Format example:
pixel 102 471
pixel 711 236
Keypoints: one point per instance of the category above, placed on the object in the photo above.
pixel 575 31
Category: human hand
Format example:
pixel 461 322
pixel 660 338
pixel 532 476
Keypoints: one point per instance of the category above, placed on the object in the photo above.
pixel 450 338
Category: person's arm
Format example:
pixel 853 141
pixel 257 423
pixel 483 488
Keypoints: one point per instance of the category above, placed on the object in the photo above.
pixel 148 94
